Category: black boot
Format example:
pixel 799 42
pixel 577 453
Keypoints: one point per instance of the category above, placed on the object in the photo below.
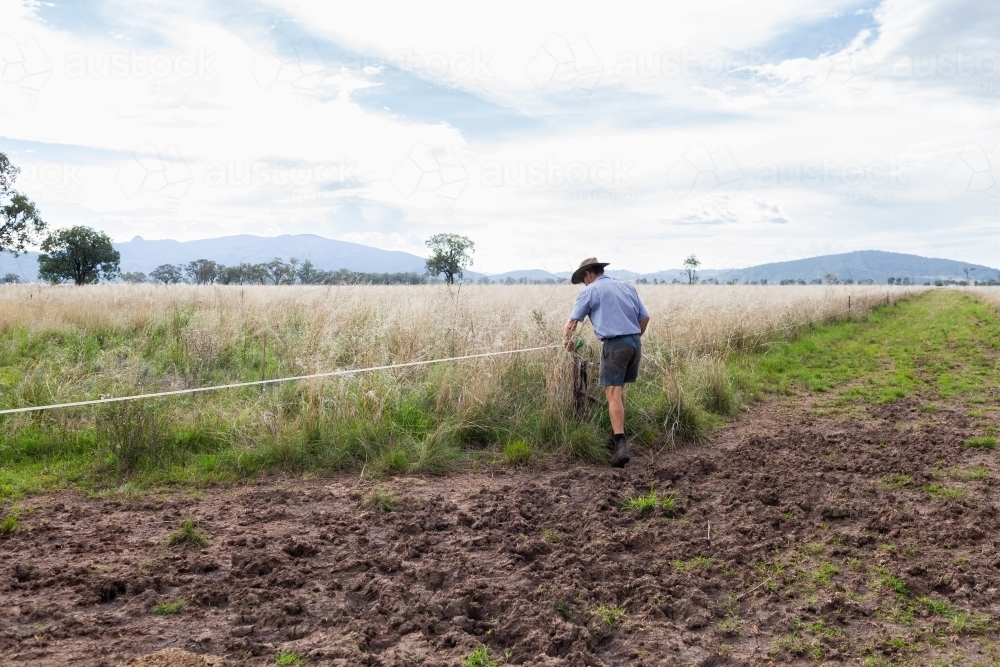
pixel 621 456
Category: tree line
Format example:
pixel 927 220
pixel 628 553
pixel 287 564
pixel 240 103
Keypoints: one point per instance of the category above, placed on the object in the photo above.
pixel 275 272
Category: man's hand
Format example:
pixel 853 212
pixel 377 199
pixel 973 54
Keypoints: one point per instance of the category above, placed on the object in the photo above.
pixel 643 323
pixel 568 335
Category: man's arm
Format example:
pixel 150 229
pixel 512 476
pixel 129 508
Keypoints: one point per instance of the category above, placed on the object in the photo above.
pixel 641 313
pixel 568 333
pixel 581 308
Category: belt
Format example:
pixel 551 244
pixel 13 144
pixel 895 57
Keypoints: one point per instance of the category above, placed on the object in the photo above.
pixel 605 340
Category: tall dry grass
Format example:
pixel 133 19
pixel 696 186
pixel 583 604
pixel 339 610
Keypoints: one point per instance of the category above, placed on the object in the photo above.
pixel 990 294
pixel 59 344
pixel 367 325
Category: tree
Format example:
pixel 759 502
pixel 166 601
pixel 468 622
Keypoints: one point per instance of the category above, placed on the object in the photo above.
pixel 134 277
pixel 230 275
pixel 451 254
pixel 278 271
pixel 202 271
pixel 254 274
pixel 20 222
pixel 11 278
pixel 80 254
pixel 691 265
pixel 167 274
pixel 308 274
pixel 831 279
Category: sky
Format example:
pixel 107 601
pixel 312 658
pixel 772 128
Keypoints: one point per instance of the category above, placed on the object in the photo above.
pixel 639 132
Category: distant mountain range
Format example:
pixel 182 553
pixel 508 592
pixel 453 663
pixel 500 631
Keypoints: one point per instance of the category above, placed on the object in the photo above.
pixel 875 265
pixel 328 254
pixel 142 255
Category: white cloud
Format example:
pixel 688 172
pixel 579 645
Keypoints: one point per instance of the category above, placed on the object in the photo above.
pixel 548 130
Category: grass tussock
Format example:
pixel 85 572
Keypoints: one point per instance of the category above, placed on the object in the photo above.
pixel 187 534
pixel 379 499
pixel 517 453
pixel 170 608
pixel 10 522
pixel 287 658
pixel 981 442
pixel 480 657
pixel 609 615
pixel 696 563
pixel 650 501
pixel 62 344
pixel 896 481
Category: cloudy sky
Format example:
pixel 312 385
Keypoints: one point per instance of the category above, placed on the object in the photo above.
pixel 546 132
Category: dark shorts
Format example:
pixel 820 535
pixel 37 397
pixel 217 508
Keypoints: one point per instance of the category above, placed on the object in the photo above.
pixel 620 361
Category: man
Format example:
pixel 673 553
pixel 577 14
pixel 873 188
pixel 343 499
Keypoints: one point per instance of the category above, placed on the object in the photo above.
pixel 619 319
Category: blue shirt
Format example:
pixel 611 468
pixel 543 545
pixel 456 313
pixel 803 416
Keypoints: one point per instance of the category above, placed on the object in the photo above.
pixel 614 308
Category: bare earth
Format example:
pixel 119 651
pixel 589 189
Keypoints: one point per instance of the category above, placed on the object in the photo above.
pixel 521 561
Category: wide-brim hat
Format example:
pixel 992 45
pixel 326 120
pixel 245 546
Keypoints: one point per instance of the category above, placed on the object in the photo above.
pixel 589 263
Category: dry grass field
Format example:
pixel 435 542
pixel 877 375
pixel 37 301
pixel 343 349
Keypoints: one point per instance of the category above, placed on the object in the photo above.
pixel 61 344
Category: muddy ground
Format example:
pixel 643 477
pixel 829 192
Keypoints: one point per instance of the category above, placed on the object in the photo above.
pixel 794 538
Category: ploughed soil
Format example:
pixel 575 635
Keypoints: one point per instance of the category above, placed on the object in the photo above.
pixel 793 538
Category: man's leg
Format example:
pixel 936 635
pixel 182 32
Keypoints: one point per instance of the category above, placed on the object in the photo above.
pixel 616 408
pixel 615 358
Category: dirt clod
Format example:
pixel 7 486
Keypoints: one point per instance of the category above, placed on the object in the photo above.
pixel 173 657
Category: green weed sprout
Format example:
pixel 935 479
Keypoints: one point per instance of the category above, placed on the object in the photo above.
pixel 480 658
pixel 170 608
pixel 650 501
pixel 286 658
pixel 609 615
